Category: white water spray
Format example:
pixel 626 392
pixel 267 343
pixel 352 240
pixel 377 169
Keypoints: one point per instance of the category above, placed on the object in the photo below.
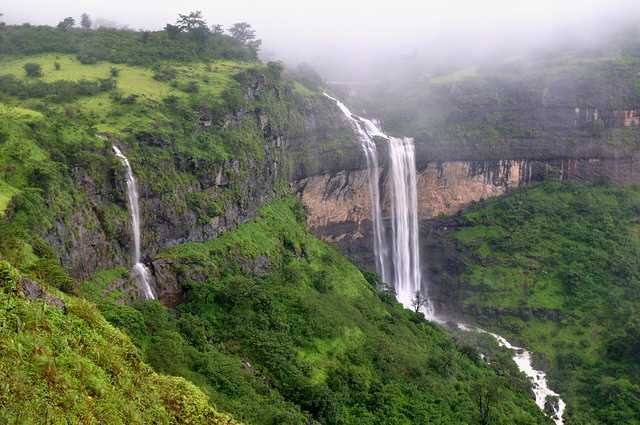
pixel 140 271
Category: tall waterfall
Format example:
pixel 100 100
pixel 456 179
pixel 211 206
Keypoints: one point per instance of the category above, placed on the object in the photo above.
pixel 405 242
pixel 404 219
pixel 405 274
pixel 139 269
pixel 366 131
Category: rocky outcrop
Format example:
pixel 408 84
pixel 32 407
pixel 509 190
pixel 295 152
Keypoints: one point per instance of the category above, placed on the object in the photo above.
pixel 482 136
pixel 188 196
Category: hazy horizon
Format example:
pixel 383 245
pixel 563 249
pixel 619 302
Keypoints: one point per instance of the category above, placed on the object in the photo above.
pixel 345 39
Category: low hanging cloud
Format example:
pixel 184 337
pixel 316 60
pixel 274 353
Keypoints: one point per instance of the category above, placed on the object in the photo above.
pixel 345 38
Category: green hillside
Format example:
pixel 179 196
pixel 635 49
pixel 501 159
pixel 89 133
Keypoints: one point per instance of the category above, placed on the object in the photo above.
pixel 556 267
pixel 277 327
pixel 63 363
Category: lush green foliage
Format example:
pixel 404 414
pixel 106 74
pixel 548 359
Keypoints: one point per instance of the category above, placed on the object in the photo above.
pixel 557 266
pixel 280 327
pixel 68 365
pixel 121 46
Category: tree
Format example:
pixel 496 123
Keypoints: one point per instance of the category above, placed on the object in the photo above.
pixel 200 34
pixel 486 395
pixel 217 29
pixel 33 70
pixel 191 21
pixel 2 24
pixel 275 69
pixel 242 32
pixel 419 301
pixel 66 24
pixel 85 21
pixel 172 31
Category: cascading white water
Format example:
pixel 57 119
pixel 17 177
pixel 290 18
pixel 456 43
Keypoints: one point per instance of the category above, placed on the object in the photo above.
pixel 407 276
pixel 366 131
pixel 139 269
pixel 404 218
pixel 538 378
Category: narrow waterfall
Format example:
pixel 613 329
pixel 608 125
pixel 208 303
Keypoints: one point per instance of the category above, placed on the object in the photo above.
pixel 140 271
pixel 366 131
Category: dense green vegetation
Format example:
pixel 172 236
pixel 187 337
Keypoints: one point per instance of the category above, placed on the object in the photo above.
pixel 557 267
pixel 126 46
pixel 66 364
pixel 273 325
pixel 172 116
pixel 276 327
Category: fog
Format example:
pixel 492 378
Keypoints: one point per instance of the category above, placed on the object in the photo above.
pixel 359 39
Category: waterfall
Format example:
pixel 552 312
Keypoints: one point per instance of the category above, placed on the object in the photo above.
pixel 367 130
pixel 404 219
pixel 405 274
pixel 140 271
pixel 405 242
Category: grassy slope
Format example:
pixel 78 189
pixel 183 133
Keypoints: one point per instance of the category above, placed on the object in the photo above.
pixel 556 267
pixel 70 366
pixel 279 326
pixel 107 115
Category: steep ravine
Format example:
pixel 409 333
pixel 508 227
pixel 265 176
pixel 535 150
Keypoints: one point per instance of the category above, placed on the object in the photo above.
pixel 340 212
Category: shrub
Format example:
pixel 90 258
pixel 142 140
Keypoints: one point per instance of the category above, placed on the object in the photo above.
pixel 164 73
pixel 87 58
pixel 9 276
pixel 33 70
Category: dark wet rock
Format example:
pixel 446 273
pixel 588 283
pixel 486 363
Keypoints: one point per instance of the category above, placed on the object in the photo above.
pixel 551 405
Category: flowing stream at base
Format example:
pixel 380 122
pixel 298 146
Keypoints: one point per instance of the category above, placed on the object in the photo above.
pixel 538 378
pixel 140 271
pixel 405 273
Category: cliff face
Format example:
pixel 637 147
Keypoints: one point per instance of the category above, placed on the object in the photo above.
pixel 190 197
pixel 339 209
pixel 481 135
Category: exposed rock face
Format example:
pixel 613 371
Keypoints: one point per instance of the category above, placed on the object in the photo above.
pixel 338 205
pixel 190 199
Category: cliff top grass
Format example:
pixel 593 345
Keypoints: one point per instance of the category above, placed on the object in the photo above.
pixel 137 88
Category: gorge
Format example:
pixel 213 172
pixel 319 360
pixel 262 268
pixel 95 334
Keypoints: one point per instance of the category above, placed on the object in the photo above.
pixel 191 234
pixel 406 278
